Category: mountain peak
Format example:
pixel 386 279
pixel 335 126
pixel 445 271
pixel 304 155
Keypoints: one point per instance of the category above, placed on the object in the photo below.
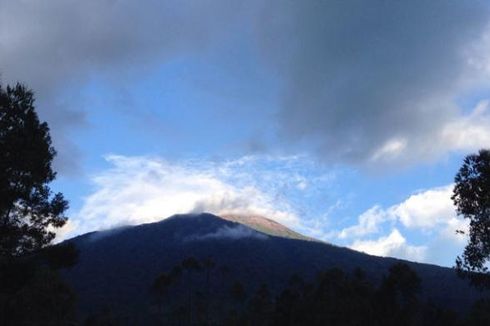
pixel 264 225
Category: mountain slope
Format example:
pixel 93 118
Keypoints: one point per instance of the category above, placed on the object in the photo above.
pixel 264 225
pixel 117 268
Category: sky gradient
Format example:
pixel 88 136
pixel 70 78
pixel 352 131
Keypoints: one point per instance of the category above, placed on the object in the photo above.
pixel 345 120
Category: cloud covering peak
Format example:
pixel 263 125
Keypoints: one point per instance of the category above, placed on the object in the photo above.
pixel 137 190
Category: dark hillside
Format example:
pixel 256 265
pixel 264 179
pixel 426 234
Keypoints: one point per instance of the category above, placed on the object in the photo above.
pixel 117 268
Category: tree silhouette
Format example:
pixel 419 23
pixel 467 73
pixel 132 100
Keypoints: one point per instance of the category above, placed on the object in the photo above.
pixel 208 265
pixel 397 300
pixel 160 287
pixel 471 196
pixel 287 305
pixel 34 294
pixel 186 294
pixel 334 297
pixel 238 293
pixel 31 290
pixel 28 208
pixel 44 300
pixel 261 306
pixel 480 313
pixel 237 296
pixel 404 282
pixel 190 265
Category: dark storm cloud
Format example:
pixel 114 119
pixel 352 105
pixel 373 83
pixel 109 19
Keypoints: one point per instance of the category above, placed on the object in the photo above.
pixel 363 81
pixel 58 45
pixel 376 80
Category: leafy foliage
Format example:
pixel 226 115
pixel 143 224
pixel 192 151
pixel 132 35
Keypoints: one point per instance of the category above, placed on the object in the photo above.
pixel 471 196
pixel 28 208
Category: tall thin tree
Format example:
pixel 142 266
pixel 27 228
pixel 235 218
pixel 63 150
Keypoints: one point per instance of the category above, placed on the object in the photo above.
pixel 29 211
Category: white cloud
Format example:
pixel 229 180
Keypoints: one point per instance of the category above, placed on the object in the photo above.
pixel 449 231
pixel 390 150
pixel 429 215
pixel 368 223
pixel 394 245
pixel 461 133
pixel 470 132
pixel 425 209
pixel 65 231
pixel 137 190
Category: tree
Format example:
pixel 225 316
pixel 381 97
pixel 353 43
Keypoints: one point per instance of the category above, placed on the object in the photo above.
pixel 471 196
pixel 190 265
pixel 28 209
pixel 160 288
pixel 43 300
pixel 261 306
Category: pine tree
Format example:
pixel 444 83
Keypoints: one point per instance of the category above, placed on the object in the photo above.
pixel 28 209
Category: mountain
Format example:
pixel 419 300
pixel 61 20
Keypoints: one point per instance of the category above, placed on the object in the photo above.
pixel 265 225
pixel 116 268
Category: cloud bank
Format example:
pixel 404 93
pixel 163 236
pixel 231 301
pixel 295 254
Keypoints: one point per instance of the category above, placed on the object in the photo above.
pixel 378 82
pixel 362 82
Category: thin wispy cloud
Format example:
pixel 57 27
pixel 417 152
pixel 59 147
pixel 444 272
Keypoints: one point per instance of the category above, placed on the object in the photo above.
pixel 228 233
pixel 137 190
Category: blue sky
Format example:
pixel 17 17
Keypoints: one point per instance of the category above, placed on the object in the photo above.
pixel 346 121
